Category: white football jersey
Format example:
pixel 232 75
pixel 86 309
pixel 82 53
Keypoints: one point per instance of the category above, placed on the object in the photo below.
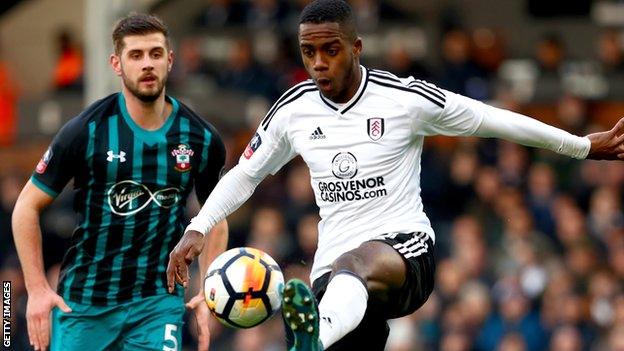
pixel 363 156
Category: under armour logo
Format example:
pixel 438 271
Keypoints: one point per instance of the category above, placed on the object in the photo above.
pixel 111 156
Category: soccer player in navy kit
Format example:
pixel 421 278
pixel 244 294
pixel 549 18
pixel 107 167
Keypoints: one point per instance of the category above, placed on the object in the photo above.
pixel 361 132
pixel 134 157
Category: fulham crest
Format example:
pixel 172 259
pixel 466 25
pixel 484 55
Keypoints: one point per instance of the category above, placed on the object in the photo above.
pixel 376 128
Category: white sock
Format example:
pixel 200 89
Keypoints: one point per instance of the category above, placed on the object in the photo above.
pixel 342 307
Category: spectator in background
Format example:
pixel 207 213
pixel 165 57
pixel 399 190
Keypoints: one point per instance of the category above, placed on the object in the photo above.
pixel 8 104
pixel 512 342
pixel 610 53
pixel 244 74
pixel 192 67
pixel 459 72
pixel 560 284
pixel 463 168
pixel 399 61
pixel 307 238
pixel 488 50
pixel 219 13
pixel 453 320
pixel 602 292
pixel 570 222
pixel 550 54
pixel 572 113
pixel 616 338
pixel 450 277
pixel 512 163
pixel 573 312
pixel 605 212
pixel 487 188
pixel 566 338
pixel 268 233
pixel 284 66
pixel 68 72
pixel 266 14
pixel 427 321
pixel 618 309
pixel 514 314
pixel 403 335
pixel 542 191
pixel 369 14
pixel 616 254
pixel 299 195
pixel 468 248
pixel 475 305
pixel 455 340
pixel 523 250
pixel 581 259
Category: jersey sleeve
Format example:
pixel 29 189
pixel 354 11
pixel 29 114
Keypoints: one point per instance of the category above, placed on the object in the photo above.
pixel 211 173
pixel 269 149
pixel 461 115
pixel 59 163
pixel 443 112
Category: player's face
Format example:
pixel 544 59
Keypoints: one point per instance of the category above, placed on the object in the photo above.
pixel 144 64
pixel 331 59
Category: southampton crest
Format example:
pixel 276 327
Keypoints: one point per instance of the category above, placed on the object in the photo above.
pixel 183 158
pixel 376 128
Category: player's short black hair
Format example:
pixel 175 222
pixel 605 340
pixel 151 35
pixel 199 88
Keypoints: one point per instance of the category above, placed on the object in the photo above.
pixel 333 11
pixel 137 24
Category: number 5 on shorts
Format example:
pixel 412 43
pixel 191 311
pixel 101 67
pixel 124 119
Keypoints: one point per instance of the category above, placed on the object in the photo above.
pixel 170 329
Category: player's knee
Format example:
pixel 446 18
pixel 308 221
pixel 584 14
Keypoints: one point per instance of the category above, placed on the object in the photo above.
pixel 358 266
pixel 351 263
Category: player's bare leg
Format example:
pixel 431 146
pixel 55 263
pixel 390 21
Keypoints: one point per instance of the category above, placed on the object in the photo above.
pixel 367 274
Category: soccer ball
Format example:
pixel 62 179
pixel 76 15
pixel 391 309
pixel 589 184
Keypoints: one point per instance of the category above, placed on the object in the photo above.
pixel 243 287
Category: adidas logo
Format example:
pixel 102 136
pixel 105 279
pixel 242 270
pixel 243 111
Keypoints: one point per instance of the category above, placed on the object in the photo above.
pixel 317 134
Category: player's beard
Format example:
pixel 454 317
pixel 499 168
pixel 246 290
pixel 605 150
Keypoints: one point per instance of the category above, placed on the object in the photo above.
pixel 145 96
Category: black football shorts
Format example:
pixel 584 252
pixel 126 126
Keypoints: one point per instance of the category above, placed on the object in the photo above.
pixel 371 334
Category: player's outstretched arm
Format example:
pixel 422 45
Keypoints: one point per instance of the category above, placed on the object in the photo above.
pixel 27 235
pixel 183 254
pixel 608 145
pixel 228 195
pixel 464 116
pixel 214 244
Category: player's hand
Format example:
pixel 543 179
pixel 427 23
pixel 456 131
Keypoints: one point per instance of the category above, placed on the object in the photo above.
pixel 198 304
pixel 189 247
pixel 38 308
pixel 608 145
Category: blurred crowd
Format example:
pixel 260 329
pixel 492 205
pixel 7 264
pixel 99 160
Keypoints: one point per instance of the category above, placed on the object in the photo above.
pixel 529 244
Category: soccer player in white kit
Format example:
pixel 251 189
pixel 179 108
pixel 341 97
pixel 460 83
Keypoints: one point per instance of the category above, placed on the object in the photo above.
pixel 361 131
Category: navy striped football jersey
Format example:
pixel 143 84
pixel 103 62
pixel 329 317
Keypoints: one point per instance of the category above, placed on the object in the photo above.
pixel 131 186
